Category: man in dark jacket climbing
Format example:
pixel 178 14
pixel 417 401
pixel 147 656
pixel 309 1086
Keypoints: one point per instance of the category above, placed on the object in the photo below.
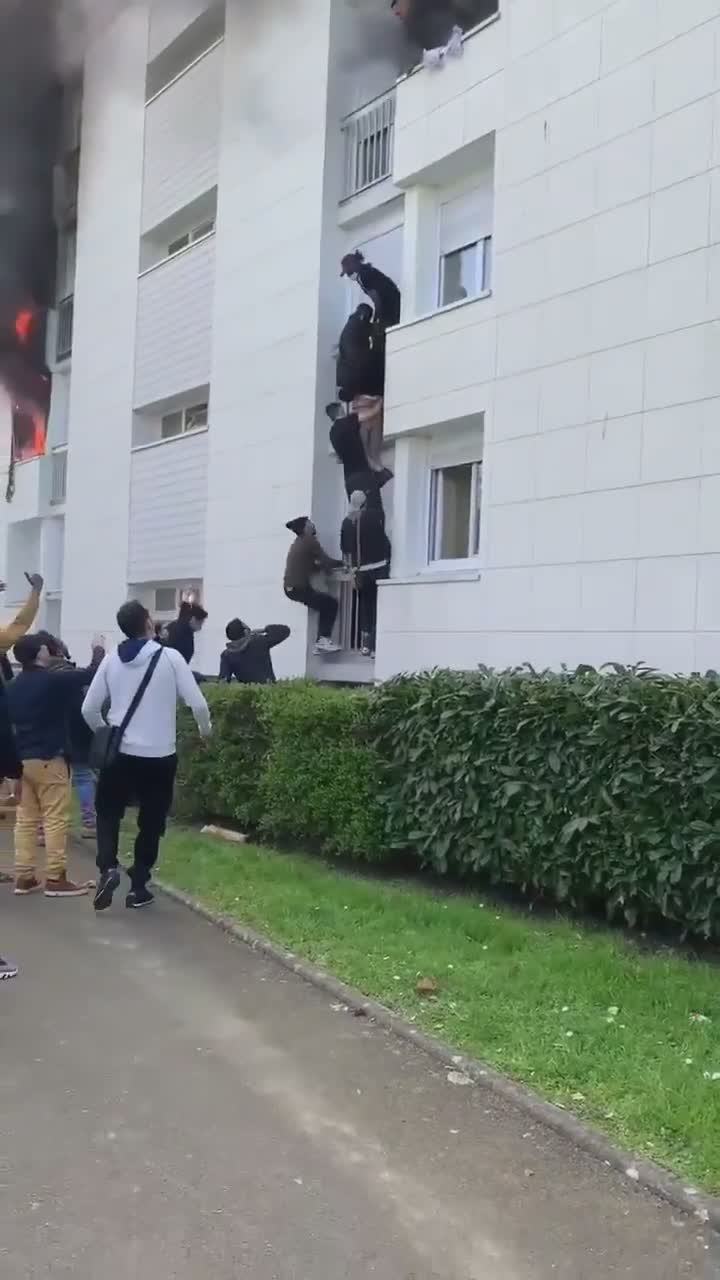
pixel 247 656
pixel 361 360
pixel 346 440
pixel 366 548
pixel 181 633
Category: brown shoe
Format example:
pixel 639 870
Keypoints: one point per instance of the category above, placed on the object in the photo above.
pixel 64 888
pixel 27 884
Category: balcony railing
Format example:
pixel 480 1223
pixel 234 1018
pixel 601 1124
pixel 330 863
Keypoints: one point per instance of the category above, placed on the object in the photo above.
pixel 369 136
pixel 64 328
pixel 348 623
pixel 58 477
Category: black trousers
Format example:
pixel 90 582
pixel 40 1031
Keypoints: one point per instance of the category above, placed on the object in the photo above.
pixel 324 605
pixel 148 780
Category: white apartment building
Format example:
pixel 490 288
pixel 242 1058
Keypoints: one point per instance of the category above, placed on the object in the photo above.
pixel 549 204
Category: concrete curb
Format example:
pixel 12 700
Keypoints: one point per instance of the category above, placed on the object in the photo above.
pixel 643 1173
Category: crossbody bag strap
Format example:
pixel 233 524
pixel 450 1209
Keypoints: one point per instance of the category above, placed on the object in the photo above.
pixel 139 692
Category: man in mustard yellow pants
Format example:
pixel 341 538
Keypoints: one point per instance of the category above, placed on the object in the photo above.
pixel 38 703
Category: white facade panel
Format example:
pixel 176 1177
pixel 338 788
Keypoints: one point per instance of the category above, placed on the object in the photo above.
pixel 182 128
pixel 168 19
pixel 168 508
pixel 96 527
pixel 174 324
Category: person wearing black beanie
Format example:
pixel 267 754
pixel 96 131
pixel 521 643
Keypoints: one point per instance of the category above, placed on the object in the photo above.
pixel 305 557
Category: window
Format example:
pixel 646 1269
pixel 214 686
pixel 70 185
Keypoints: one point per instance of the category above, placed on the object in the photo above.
pixel 465 242
pixel 455 492
pixel 465 272
pixel 165 599
pixel 180 421
pixel 190 237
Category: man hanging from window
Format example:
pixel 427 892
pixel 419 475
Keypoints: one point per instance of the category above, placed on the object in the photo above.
pixel 346 440
pixel 181 633
pixel 432 25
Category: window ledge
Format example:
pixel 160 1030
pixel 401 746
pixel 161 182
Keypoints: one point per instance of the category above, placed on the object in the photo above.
pixel 440 311
pixel 182 435
pixel 433 575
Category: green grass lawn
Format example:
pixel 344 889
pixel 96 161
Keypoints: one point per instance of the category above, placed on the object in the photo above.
pixel 628 1039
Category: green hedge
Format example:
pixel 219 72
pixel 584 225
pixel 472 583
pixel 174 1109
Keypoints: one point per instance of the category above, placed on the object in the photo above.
pixel 287 761
pixel 583 787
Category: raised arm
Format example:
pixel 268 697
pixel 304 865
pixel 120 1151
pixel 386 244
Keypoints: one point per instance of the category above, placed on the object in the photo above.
pixel 25 618
pixel 276 634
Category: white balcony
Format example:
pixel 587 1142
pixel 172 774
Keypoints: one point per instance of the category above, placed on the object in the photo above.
pixel 168 507
pixel 174 324
pixel 439 112
pixel 182 131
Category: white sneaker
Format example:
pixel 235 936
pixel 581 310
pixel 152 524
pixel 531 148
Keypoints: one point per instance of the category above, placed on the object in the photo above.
pixel 326 646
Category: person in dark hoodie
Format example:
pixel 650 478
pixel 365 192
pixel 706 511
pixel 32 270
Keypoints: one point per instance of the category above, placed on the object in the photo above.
pixel 146 761
pixel 305 558
pixel 360 367
pixel 366 547
pixel 79 736
pixel 181 633
pixel 348 446
pixel 39 701
pixel 247 656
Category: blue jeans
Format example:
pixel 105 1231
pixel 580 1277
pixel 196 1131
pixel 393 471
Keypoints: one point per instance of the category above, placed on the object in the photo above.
pixel 83 780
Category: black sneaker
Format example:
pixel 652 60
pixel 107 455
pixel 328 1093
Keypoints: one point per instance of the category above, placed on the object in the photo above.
pixel 107 885
pixel 138 898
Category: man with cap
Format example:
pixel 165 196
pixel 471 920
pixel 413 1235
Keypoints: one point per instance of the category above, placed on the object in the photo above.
pixel 305 558
pixel 380 289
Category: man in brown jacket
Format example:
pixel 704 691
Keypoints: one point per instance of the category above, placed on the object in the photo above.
pixel 305 557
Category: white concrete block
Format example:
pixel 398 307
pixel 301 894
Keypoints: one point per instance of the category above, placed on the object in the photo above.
pixel 568 258
pixel 672 442
pixel 519 338
pixel 564 395
pixel 673 652
pixel 616 381
pixel 621 239
pixel 675 368
pixel 684 70
pixel 674 18
pixel 509 536
pixel 520 276
pixel 571 192
pixel 668 518
pixel 708 601
pixel 623 168
pixel 557 532
pixel 509 471
pixel 613 452
pixel 520 212
pixel 625 99
pixel 610 525
pixel 506 598
pixel 682 144
pixel 707 651
pixel 709 518
pixel 572 125
pixel 679 218
pixel 666 594
pixel 517 401
pixel 566 328
pixel 608 596
pixel 678 291
pixel 618 311
pixel 629 30
pixel 560 462
pixel 555 603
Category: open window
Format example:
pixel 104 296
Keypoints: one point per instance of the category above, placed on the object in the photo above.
pixel 465 239
pixel 180 421
pixel 454 514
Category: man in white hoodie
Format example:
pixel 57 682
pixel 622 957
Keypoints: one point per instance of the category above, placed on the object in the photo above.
pixel 146 764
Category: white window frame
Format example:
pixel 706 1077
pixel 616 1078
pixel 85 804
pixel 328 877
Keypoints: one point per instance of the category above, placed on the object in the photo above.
pixel 187 427
pixel 437 468
pixel 200 232
pixel 483 258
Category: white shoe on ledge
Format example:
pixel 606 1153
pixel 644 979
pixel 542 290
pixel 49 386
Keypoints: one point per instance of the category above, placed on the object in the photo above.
pixel 326 646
